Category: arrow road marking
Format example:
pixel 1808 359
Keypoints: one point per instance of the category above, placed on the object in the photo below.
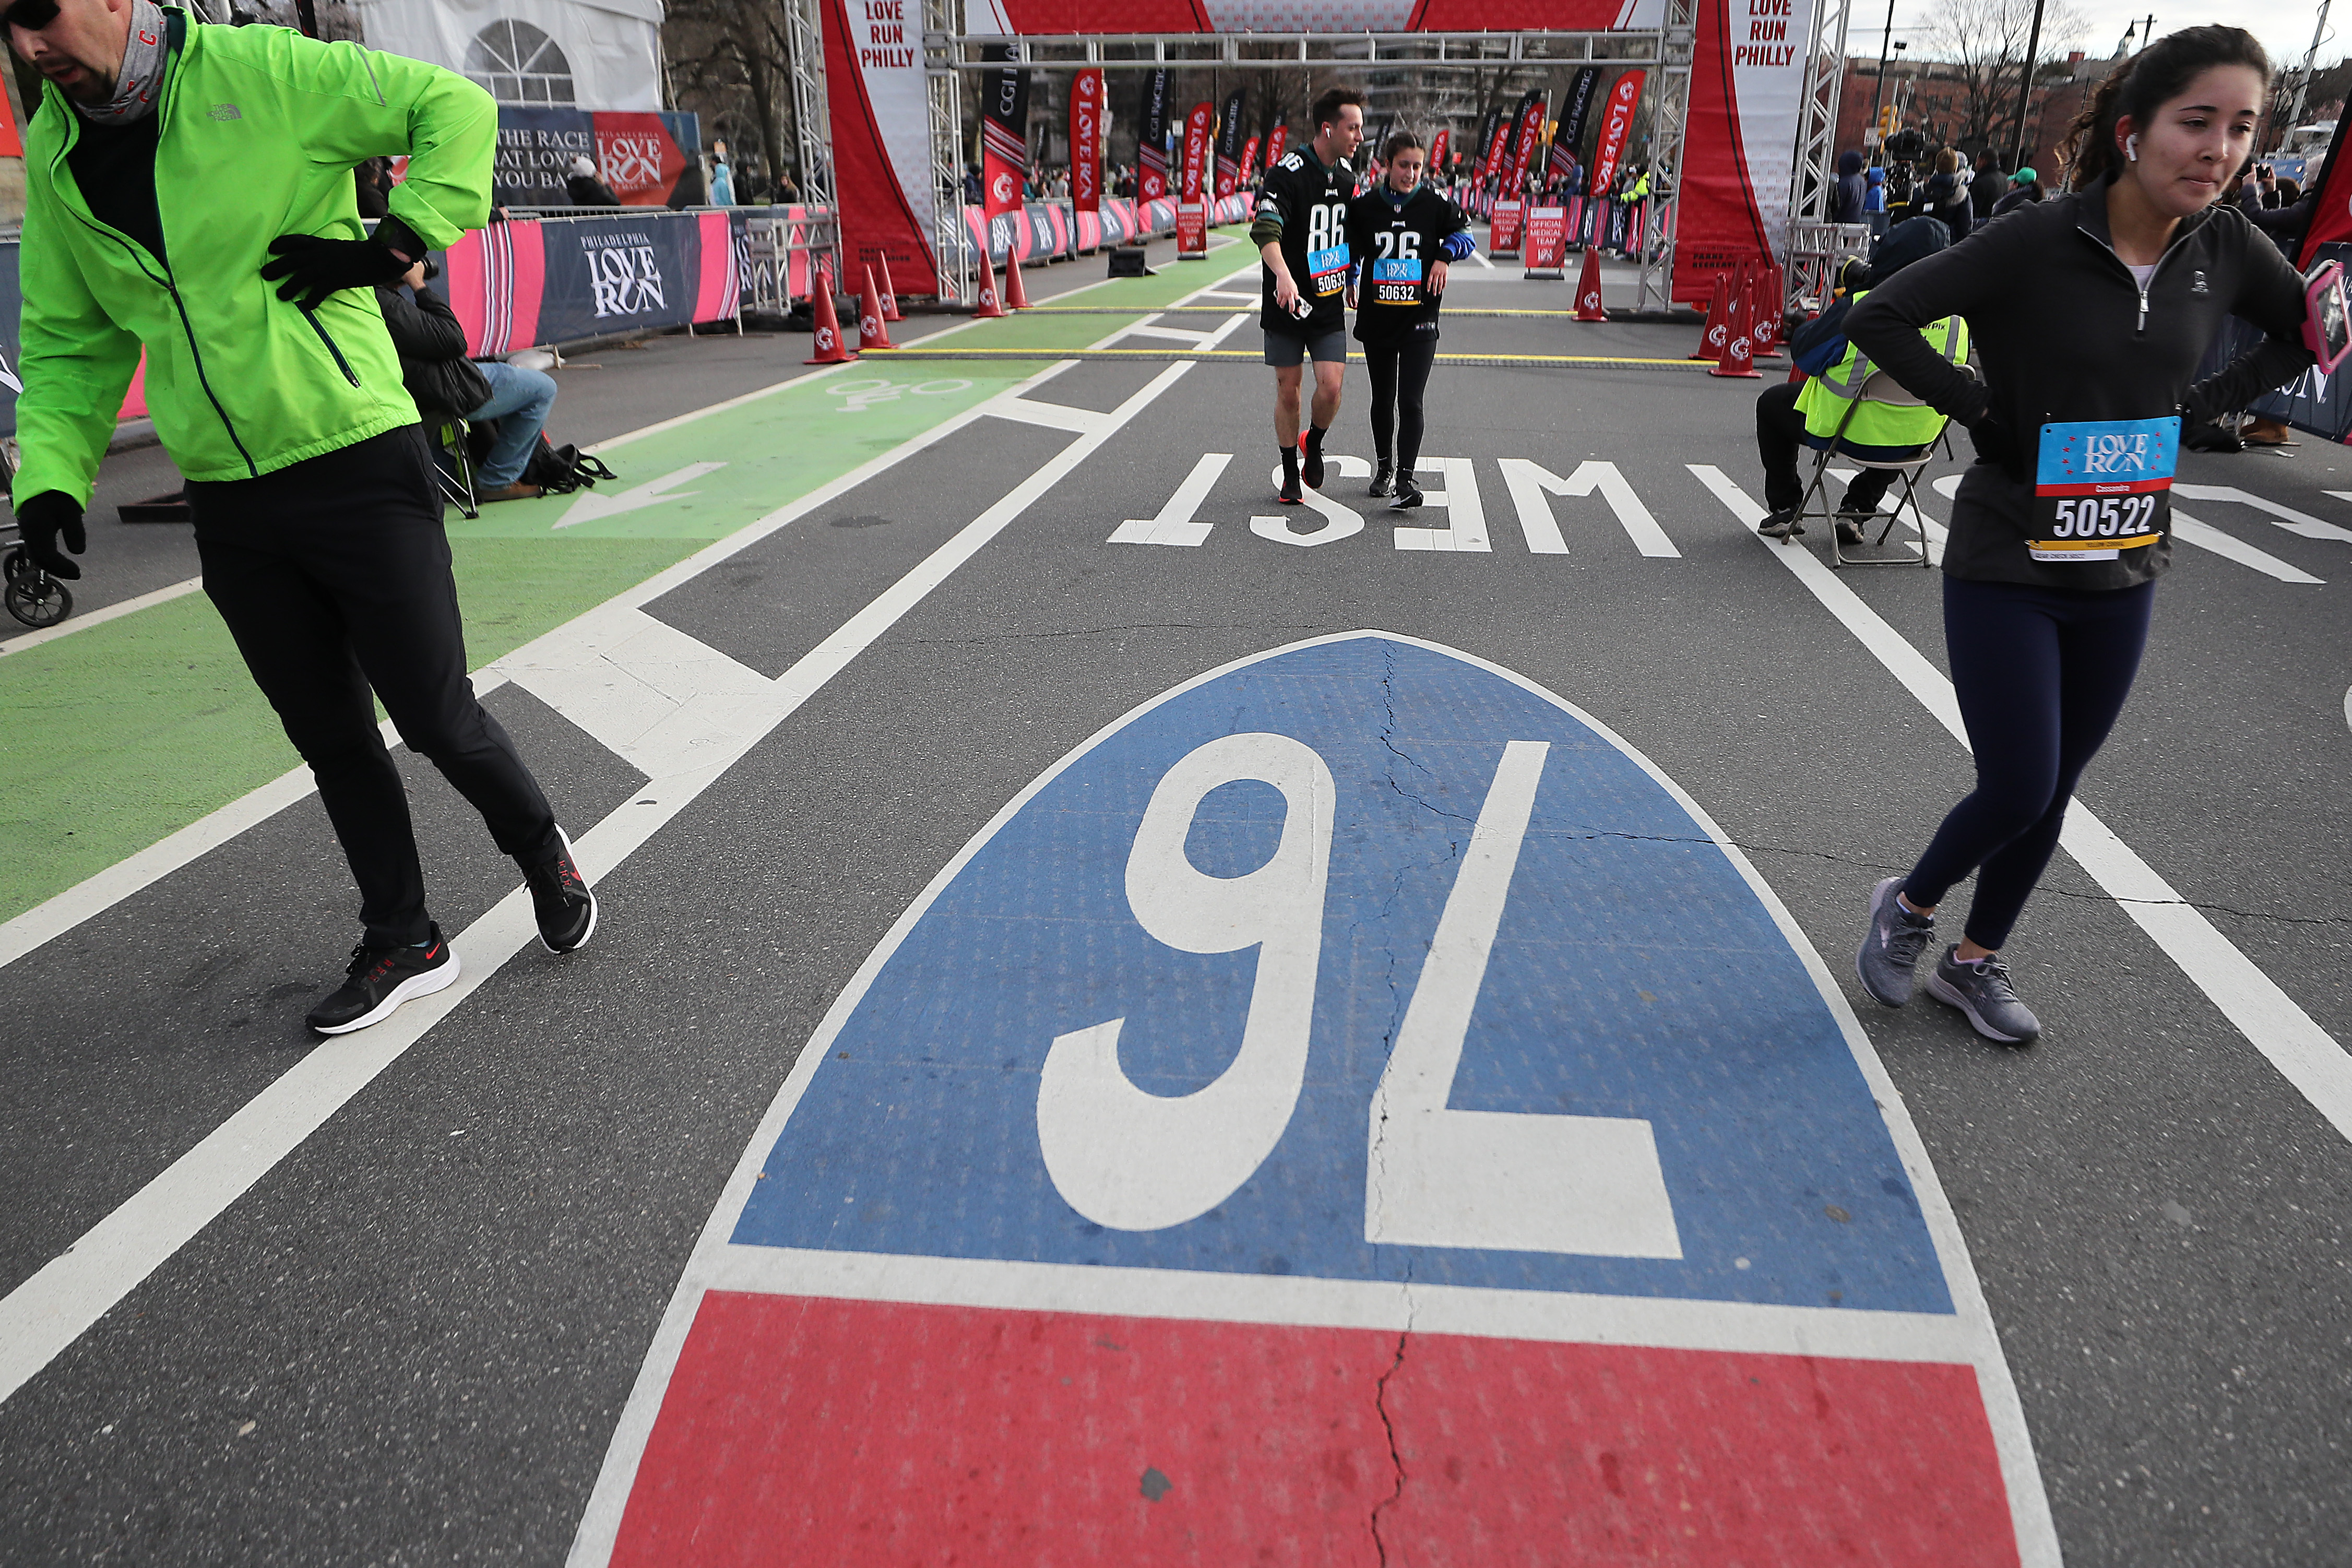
pixel 592 506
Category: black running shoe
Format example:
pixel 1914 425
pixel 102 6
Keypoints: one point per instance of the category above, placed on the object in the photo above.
pixel 565 904
pixel 1291 494
pixel 1408 494
pixel 1384 480
pixel 1781 524
pixel 381 979
pixel 1310 463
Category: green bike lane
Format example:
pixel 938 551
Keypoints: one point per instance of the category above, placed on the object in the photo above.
pixel 115 737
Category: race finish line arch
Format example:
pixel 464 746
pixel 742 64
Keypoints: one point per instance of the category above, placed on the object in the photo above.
pixel 1741 96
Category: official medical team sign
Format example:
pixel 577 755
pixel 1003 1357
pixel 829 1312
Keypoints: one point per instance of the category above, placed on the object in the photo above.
pixel 1352 1110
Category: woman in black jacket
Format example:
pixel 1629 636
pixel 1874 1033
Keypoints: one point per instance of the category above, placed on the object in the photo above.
pixel 2089 313
pixel 444 384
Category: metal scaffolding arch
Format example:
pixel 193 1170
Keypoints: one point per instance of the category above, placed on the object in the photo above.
pixel 951 249
pixel 1811 243
pixel 812 122
pixel 1669 120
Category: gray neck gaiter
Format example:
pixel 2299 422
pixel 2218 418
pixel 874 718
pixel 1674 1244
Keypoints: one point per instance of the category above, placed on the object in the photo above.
pixel 141 84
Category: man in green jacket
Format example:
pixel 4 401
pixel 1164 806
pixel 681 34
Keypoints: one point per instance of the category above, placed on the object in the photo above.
pixel 189 191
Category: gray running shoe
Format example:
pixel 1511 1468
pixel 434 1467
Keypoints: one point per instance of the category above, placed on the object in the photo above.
pixel 1981 990
pixel 1891 949
pixel 1781 524
pixel 1850 526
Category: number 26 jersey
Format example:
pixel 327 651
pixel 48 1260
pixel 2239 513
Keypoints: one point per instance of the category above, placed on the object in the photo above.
pixel 1397 245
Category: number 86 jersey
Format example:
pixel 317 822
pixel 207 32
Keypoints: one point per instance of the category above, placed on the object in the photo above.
pixel 1397 244
pixel 1303 202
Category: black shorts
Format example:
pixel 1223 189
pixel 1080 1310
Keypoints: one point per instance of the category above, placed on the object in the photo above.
pixel 1329 346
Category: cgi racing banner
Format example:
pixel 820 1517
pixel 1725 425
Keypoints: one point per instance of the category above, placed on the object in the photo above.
pixel 1747 80
pixel 1151 143
pixel 881 115
pixel 1229 146
pixel 1004 132
pixel 1191 195
pixel 1085 140
pixel 1616 120
pixel 1576 111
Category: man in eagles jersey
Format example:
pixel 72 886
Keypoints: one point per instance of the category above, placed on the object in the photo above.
pixel 1301 230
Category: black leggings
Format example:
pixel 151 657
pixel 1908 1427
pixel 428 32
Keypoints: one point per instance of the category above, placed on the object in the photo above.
pixel 2040 675
pixel 1400 372
pixel 334 577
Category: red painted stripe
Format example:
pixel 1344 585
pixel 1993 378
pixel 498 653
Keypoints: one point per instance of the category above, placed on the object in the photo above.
pixel 816 1431
pixel 529 279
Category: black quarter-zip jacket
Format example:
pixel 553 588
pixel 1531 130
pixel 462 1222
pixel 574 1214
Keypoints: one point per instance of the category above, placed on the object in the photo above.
pixel 2063 332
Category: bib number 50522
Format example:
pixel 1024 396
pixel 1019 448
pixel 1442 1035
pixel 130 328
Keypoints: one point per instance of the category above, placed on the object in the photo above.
pixel 1131 1160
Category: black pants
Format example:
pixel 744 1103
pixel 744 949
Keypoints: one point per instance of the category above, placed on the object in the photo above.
pixel 1400 372
pixel 333 576
pixel 2040 675
pixel 1781 436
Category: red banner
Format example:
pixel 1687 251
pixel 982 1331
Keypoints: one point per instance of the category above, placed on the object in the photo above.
pixel 1249 160
pixel 885 211
pixel 1437 155
pixel 1192 191
pixel 1085 140
pixel 1275 144
pixel 2332 220
pixel 1496 145
pixel 1616 121
pixel 1523 145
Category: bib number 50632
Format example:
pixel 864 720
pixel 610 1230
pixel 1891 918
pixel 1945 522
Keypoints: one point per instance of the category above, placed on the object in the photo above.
pixel 1130 1160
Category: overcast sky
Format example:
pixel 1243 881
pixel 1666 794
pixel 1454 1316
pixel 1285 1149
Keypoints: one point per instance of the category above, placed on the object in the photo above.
pixel 2283 25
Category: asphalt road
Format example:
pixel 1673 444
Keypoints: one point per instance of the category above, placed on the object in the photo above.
pixel 411 1339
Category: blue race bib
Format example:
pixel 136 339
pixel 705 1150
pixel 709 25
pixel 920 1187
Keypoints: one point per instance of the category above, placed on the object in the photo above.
pixel 2102 487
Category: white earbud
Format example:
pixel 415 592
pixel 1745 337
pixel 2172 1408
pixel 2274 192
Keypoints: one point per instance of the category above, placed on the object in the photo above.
pixel 2131 147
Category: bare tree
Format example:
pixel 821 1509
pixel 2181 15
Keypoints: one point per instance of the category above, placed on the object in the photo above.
pixel 731 62
pixel 1985 41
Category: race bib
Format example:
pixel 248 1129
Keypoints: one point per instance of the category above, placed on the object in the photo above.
pixel 1330 267
pixel 1397 280
pixel 2102 487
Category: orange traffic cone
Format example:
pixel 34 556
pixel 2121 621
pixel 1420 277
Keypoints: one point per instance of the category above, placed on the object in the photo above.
pixel 1711 340
pixel 1588 289
pixel 830 349
pixel 871 333
pixel 988 307
pixel 1764 314
pixel 889 295
pixel 1739 349
pixel 1015 297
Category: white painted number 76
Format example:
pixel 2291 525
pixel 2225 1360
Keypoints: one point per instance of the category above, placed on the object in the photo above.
pixel 1131 1160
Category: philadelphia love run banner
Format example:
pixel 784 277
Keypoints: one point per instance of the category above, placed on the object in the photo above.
pixel 1085 140
pixel 881 115
pixel 1747 82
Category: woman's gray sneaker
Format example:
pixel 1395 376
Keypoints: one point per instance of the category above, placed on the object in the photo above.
pixel 1891 951
pixel 1981 990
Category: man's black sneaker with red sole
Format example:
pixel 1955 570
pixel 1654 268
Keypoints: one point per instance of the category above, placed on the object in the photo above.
pixel 563 900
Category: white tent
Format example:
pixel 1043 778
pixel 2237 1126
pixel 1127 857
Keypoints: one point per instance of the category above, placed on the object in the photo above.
pixel 543 54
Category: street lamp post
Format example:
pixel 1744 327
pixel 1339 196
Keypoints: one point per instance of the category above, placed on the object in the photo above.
pixel 1878 95
pixel 2025 90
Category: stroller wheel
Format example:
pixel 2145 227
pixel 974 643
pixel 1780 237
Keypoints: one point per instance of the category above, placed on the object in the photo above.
pixel 38 599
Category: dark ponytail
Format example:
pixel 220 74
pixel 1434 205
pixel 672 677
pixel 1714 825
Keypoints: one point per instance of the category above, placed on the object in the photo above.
pixel 2137 88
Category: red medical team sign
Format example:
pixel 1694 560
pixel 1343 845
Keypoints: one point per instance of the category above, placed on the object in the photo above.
pixel 1331 1180
pixel 1547 241
pixel 1505 219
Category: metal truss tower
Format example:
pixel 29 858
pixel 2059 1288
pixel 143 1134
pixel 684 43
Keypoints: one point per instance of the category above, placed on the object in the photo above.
pixel 1669 120
pixel 812 123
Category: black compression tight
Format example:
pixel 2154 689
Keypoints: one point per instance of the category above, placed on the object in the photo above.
pixel 1399 372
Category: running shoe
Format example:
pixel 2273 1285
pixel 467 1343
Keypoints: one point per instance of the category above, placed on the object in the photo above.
pixel 1291 494
pixel 1781 524
pixel 1982 991
pixel 1849 527
pixel 1890 953
pixel 1310 463
pixel 1408 494
pixel 1384 480
pixel 380 979
pixel 561 897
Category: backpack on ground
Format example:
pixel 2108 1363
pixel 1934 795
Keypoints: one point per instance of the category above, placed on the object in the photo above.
pixel 560 471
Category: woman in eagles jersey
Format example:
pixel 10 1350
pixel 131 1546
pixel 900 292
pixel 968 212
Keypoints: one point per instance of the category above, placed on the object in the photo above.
pixel 1400 234
pixel 2090 314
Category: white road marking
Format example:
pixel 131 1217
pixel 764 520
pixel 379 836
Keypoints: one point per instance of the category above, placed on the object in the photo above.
pixel 2286 517
pixel 1340 520
pixel 1174 524
pixel 685 717
pixel 1466 527
pixel 2305 1054
pixel 99 617
pixel 1968 1337
pixel 592 505
pixel 1531 482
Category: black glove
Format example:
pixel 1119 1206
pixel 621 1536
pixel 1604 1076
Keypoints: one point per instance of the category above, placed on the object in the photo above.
pixel 41 520
pixel 1996 444
pixel 314 267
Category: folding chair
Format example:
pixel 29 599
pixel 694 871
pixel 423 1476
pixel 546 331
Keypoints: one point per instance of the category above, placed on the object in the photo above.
pixel 454 464
pixel 1887 393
